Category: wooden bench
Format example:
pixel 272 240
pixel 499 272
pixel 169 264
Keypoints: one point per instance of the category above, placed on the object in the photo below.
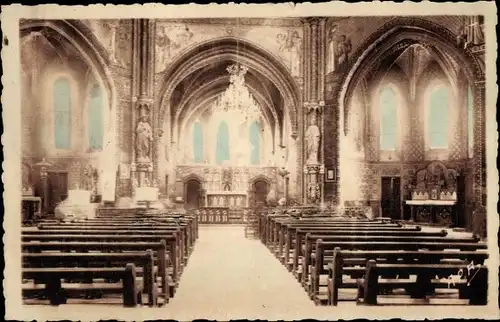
pixel 301 232
pixel 325 252
pixel 275 226
pixel 143 262
pixel 329 243
pixel 353 263
pixel 188 235
pixel 279 236
pixel 167 265
pixel 472 283
pixel 131 288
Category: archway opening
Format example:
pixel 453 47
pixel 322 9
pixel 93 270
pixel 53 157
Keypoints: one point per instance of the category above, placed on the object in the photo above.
pixel 193 194
pixel 260 189
pixel 229 114
pixel 68 107
pixel 388 89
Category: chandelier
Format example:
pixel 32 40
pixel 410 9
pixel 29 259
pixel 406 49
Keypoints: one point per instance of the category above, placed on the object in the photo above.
pixel 237 100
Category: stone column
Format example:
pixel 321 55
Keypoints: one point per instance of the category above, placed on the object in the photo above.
pixel 314 96
pixel 144 127
pixel 479 219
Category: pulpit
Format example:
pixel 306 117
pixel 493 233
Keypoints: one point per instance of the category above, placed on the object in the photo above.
pixel 434 196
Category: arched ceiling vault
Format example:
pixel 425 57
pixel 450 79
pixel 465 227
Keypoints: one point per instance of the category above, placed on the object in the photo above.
pixel 202 103
pixel 413 59
pixel 71 43
pixel 266 75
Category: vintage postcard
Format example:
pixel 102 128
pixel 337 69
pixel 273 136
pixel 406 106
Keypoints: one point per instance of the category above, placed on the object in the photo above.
pixel 255 161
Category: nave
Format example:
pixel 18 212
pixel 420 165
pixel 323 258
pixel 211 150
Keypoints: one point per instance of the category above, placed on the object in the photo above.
pixel 220 270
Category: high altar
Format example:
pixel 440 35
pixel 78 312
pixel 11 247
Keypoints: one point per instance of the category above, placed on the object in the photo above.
pixel 434 198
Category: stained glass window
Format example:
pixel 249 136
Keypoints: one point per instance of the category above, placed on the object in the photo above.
pixel 222 153
pixel 255 143
pixel 95 115
pixel 438 118
pixel 62 114
pixel 388 119
pixel 197 142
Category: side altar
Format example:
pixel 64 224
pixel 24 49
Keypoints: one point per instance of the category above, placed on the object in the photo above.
pixel 434 196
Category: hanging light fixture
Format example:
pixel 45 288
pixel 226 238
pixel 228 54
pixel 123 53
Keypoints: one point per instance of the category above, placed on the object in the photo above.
pixel 237 100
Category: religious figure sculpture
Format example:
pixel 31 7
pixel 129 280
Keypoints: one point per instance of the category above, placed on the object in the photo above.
pixel 312 140
pixel 472 33
pixel 163 45
pixel 87 180
pixel 331 61
pixel 123 50
pixel 144 138
pixel 290 46
pixel 344 48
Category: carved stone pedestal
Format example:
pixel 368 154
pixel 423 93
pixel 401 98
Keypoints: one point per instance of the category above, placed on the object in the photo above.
pixel 314 183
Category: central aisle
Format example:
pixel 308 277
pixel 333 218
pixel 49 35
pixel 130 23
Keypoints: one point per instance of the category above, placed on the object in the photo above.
pixel 229 276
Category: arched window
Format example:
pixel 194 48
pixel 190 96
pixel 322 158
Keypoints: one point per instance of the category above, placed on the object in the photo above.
pixel 62 114
pixel 437 117
pixel 222 153
pixel 388 119
pixel 470 121
pixel 197 143
pixel 96 122
pixel 255 143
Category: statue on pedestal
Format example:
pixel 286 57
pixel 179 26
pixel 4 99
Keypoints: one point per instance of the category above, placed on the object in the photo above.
pixel 312 140
pixel 144 138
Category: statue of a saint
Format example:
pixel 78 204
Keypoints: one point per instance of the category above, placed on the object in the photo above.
pixel 312 141
pixel 331 61
pixel 344 48
pixel 143 140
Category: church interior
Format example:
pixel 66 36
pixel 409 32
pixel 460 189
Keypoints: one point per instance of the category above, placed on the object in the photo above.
pixel 325 145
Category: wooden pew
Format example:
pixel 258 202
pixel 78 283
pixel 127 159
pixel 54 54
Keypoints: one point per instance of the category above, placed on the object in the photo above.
pixel 328 243
pixel 131 289
pixel 472 285
pixel 143 262
pixel 300 238
pixel 353 263
pixel 294 236
pixel 183 244
pixel 324 252
pixel 170 240
pixel 167 270
pixel 275 226
pixel 187 234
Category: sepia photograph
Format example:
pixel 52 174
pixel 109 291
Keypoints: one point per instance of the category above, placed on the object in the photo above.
pixel 225 162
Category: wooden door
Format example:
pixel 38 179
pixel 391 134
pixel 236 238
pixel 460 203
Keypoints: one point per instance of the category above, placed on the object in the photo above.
pixel 391 197
pixel 261 190
pixel 58 188
pixel 193 192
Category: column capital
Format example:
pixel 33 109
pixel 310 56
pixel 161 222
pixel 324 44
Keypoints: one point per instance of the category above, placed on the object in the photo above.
pixel 314 168
pixel 314 106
